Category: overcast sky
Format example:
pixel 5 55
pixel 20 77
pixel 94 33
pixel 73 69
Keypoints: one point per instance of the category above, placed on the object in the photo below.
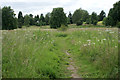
pixel 43 6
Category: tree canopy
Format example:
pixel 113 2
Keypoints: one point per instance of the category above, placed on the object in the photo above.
pixel 94 18
pixel 58 18
pixel 102 15
pixel 20 19
pixel 8 18
pixel 113 17
pixel 80 14
pixel 70 18
pixel 27 20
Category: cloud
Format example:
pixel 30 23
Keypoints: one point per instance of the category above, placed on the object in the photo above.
pixel 43 6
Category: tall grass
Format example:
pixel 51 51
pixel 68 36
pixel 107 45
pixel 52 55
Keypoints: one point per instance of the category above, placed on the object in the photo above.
pixel 32 54
pixel 95 52
pixel 41 54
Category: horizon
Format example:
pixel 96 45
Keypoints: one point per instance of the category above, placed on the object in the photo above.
pixel 43 7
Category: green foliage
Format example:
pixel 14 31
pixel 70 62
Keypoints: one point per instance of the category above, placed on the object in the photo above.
pixel 80 14
pixel 94 18
pixel 69 19
pixel 42 20
pixel 113 15
pixel 8 18
pixel 36 20
pixel 118 24
pixel 101 16
pixel 88 21
pixel 27 20
pixel 58 18
pixel 20 20
pixel 47 18
pixel 80 22
pixel 31 19
pixel 0 19
pixel 62 28
pixel 108 21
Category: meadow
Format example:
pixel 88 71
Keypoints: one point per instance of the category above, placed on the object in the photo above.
pixel 40 52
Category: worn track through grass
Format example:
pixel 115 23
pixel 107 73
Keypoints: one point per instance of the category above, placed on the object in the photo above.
pixel 72 66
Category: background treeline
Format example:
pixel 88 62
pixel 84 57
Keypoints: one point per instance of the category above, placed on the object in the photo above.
pixel 57 18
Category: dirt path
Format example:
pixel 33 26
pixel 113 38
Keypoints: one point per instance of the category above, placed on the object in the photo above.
pixel 72 67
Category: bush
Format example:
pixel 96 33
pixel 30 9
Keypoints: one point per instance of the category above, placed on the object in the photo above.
pixel 118 24
pixel 63 28
pixel 95 22
pixel 80 22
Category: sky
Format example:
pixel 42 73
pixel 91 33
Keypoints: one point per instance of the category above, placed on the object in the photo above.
pixel 44 6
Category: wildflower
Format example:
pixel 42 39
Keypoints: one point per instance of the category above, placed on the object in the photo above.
pixel 88 40
pixel 104 39
pixel 115 46
pixel 111 32
pixel 98 40
pixel 113 40
pixel 94 43
pixel 89 44
pixel 85 44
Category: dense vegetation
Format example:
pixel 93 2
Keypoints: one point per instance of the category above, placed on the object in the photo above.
pixel 36 53
pixel 113 18
pixel 44 46
pixel 57 18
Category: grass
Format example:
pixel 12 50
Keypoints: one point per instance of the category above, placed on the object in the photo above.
pixel 38 53
pixel 95 52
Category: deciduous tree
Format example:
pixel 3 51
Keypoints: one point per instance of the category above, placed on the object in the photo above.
pixel 8 18
pixel 20 19
pixel 58 18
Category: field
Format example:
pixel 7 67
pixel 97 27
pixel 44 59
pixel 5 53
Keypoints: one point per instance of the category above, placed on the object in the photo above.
pixel 40 52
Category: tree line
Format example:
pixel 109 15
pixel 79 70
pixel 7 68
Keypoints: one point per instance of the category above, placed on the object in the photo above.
pixel 57 18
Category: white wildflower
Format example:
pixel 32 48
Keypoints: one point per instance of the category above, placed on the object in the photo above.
pixel 85 44
pixel 89 44
pixel 111 32
pixel 104 39
pixel 94 43
pixel 88 40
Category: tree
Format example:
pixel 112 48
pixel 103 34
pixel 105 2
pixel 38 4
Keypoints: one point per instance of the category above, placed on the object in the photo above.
pixel 27 20
pixel 36 20
pixel 47 18
pixel 70 18
pixel 80 22
pixel 58 18
pixel 114 15
pixel 0 18
pixel 80 14
pixel 102 15
pixel 20 19
pixel 8 18
pixel 94 18
pixel 31 19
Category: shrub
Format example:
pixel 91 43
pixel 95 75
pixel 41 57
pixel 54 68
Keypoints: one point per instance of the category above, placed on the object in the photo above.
pixel 80 22
pixel 63 28
pixel 95 22
pixel 118 24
